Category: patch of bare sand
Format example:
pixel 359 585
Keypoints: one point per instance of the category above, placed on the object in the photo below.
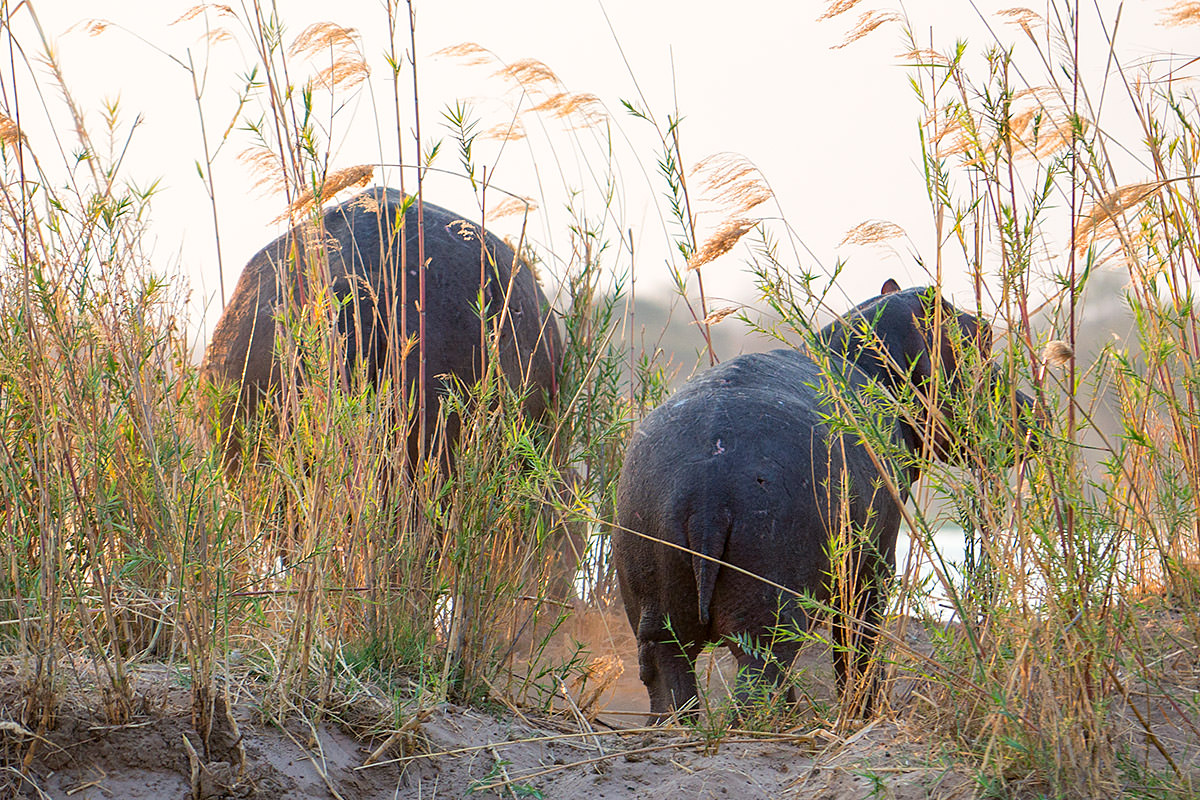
pixel 452 752
pixel 591 753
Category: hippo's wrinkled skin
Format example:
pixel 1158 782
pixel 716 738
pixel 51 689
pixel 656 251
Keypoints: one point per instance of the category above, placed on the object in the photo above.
pixel 741 465
pixel 364 253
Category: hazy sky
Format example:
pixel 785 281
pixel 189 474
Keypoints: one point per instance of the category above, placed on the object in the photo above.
pixel 833 130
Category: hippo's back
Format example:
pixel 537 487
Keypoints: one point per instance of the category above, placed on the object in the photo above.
pixel 373 250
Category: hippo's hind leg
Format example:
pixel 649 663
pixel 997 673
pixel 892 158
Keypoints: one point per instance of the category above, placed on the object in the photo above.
pixel 666 665
pixel 854 636
pixel 764 661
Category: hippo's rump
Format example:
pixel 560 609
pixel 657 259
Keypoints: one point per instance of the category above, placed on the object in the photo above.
pixel 746 447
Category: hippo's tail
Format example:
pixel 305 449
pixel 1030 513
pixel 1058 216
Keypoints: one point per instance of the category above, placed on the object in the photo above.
pixel 707 536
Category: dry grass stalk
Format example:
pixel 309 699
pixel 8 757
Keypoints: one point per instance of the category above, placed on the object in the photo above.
pixel 948 133
pixel 348 178
pixel 215 35
pixel 868 22
pixel 926 56
pixel 263 163
pixel 347 66
pixel 464 230
pixel 471 54
pixel 733 181
pixel 529 73
pixel 1023 17
pixel 511 207
pixel 10 133
pixel 873 231
pixel 721 242
pixel 321 37
pixel 1184 12
pixel 204 8
pixel 512 131
pixel 1039 127
pixel 588 687
pixel 345 72
pixel 1044 127
pixel 581 105
pixel 1056 353
pixel 719 314
pixel 837 7
pixel 1102 219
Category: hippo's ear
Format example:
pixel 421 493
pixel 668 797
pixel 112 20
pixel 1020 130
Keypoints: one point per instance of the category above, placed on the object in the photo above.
pixel 890 286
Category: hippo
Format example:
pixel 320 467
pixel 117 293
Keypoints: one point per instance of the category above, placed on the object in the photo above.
pixel 733 490
pixel 363 242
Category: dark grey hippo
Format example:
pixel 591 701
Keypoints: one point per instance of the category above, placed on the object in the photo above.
pixel 742 465
pixel 364 242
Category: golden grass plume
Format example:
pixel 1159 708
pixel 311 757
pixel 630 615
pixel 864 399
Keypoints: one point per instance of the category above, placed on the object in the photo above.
pixel 1039 126
pixel 868 22
pixel 1105 214
pixel 597 677
pixel 1043 125
pixel 873 231
pixel 264 165
pixel 1056 353
pixel 465 230
pixel 511 207
pixel 529 73
pixel 1025 18
pixel 837 7
pixel 719 314
pixel 511 131
pixel 1184 12
pixel 203 8
pixel 582 106
pixel 733 181
pixel 721 242
pixel 471 54
pixel 326 40
pixel 925 56
pixel 10 132
pixel 334 182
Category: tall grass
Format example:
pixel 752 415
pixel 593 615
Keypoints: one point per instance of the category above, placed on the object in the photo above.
pixel 1052 676
pixel 302 544
pixel 325 559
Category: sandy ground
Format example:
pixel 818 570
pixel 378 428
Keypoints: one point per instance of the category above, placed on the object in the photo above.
pixel 449 751
pixel 455 752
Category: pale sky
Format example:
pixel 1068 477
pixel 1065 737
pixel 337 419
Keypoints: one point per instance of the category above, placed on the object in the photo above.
pixel 833 130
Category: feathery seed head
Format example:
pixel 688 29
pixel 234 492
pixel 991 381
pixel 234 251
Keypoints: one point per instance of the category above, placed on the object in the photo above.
pixel 733 181
pixel 529 73
pixel 1184 12
pixel 582 106
pixel 334 182
pixel 511 131
pixel 873 231
pixel 511 207
pixel 471 54
pixel 1023 17
pixel 721 242
pixel 1105 214
pixel 325 40
pixel 203 8
pixel 868 21
pixel 1056 353
pixel 721 313
pixel 263 163
pixel 837 7
pixel 10 133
